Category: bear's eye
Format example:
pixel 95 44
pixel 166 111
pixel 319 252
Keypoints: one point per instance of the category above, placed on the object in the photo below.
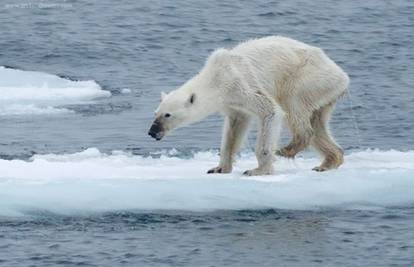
pixel 167 115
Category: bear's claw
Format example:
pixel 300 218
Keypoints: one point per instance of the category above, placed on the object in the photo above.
pixel 214 170
pixel 286 152
pixel 219 170
pixel 257 171
pixel 319 169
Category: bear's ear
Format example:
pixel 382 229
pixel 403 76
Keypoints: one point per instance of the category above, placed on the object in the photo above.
pixel 163 95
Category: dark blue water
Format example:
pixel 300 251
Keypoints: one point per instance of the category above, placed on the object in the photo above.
pixel 238 238
pixel 149 47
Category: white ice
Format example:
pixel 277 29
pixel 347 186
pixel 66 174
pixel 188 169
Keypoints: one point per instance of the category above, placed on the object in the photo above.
pixel 91 181
pixel 31 92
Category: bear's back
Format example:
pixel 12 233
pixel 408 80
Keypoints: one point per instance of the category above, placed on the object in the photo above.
pixel 273 60
pixel 276 44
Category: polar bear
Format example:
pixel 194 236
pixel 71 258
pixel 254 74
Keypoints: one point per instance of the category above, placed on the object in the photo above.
pixel 269 79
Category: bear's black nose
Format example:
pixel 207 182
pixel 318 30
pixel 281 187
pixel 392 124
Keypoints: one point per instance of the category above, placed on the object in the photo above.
pixel 152 134
pixel 155 131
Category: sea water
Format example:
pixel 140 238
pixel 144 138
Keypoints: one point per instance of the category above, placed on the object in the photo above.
pixel 81 182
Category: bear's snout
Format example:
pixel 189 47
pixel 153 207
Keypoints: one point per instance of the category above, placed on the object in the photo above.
pixel 156 131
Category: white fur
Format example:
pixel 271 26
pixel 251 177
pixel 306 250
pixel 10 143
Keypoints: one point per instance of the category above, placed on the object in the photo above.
pixel 265 79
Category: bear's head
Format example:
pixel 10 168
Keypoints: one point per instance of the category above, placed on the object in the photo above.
pixel 177 108
pixel 197 98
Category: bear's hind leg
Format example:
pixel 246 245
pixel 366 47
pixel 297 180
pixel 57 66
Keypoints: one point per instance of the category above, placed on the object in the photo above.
pixel 302 132
pixel 322 140
pixel 234 131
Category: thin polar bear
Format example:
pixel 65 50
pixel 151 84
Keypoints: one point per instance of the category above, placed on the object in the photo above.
pixel 268 79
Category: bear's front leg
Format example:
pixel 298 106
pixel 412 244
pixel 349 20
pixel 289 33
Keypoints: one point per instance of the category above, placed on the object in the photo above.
pixel 264 147
pixel 234 131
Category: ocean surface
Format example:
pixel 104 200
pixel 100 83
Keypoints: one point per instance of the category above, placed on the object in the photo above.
pixel 82 184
